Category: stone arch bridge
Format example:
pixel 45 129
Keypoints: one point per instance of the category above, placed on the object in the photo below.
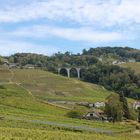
pixel 68 70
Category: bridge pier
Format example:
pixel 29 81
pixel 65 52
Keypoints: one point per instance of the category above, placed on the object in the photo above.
pixel 78 72
pixel 68 72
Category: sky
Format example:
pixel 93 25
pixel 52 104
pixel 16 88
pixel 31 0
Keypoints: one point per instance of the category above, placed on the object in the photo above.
pixel 48 26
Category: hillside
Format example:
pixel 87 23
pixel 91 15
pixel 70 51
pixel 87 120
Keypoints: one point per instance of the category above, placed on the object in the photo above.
pixel 22 109
pixel 16 100
pixel 51 87
pixel 134 66
pixel 48 86
pixel 22 115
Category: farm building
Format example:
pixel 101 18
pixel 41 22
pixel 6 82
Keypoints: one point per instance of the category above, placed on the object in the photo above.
pixel 95 115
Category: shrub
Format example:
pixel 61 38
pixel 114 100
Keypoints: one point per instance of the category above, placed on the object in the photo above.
pixel 77 112
pixel 2 87
pixel 74 114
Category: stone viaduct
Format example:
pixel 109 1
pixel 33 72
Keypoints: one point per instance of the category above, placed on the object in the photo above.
pixel 68 70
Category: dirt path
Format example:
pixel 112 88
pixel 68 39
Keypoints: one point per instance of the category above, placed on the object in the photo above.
pixel 11 82
pixel 29 92
pixel 59 106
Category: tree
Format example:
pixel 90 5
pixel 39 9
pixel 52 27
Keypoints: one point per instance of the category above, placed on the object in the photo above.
pixel 139 114
pixel 125 105
pixel 84 51
pixel 113 108
pixel 114 78
pixel 11 59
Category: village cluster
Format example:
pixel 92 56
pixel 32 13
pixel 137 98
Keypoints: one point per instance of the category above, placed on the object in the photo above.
pixel 7 64
pixel 95 109
pixel 97 114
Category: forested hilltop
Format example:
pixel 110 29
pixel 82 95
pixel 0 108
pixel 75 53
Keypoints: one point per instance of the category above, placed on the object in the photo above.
pixel 118 52
pixel 99 66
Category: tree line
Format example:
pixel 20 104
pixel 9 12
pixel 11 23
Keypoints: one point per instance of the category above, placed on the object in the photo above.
pixel 115 78
pixel 122 53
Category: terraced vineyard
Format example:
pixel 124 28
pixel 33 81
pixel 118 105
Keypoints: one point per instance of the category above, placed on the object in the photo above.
pixel 36 134
pixel 49 86
pixel 23 115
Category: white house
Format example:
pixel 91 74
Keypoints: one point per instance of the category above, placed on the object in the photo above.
pixel 99 104
pixel 115 62
pixel 132 60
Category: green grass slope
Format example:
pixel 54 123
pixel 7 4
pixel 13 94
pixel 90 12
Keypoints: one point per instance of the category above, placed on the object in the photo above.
pixel 133 66
pixel 16 100
pixel 48 86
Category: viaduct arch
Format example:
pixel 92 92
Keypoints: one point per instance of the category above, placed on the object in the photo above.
pixel 78 70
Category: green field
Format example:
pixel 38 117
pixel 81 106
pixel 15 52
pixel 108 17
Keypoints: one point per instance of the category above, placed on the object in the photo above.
pixel 133 66
pixel 23 115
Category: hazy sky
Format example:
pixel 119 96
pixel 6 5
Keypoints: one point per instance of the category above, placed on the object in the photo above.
pixel 48 26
